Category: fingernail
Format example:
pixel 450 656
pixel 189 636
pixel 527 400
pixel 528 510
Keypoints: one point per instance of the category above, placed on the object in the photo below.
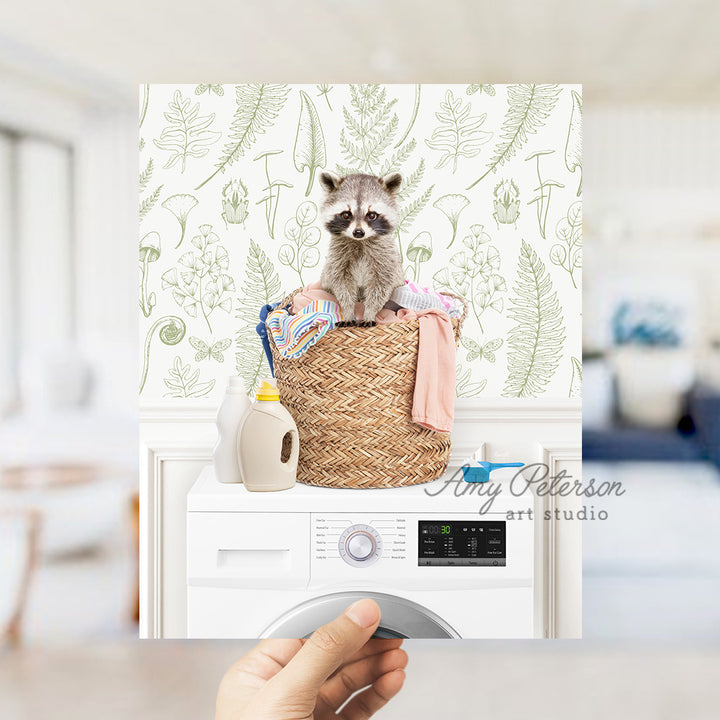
pixel 363 613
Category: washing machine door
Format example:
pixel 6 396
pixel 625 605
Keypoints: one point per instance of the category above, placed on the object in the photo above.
pixel 401 618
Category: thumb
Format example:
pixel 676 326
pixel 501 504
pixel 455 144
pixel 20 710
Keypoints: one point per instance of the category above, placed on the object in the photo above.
pixel 327 649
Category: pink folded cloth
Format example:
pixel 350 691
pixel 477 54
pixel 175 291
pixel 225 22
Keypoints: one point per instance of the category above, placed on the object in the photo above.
pixel 434 396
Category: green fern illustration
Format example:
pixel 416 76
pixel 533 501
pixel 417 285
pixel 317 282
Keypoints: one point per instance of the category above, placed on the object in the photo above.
pixel 258 105
pixel 187 134
pixel 369 131
pixel 146 174
pixel 528 108
pixel 309 151
pixel 149 202
pixel 576 379
pixel 573 144
pixel 536 340
pixel 458 134
pixel 261 286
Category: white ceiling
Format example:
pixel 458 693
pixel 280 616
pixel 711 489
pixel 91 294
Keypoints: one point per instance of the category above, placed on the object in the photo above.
pixel 622 50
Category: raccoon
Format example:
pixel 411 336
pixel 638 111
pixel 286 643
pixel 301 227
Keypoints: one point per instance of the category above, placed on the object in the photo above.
pixel 363 262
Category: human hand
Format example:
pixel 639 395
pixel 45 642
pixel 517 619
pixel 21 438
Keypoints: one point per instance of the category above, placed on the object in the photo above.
pixel 311 679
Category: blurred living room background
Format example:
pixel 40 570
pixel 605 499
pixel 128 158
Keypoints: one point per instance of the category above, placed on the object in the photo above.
pixel 69 76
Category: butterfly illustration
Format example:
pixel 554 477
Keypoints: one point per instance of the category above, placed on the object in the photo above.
pixel 472 89
pixel 217 89
pixel 478 352
pixel 206 351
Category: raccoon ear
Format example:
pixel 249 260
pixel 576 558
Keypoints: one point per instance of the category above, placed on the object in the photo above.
pixel 330 181
pixel 392 182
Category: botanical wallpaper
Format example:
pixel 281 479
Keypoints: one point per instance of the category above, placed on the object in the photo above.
pixel 490 209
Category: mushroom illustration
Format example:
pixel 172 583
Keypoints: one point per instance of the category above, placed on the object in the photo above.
pixel 180 206
pixel 172 331
pixel 149 252
pixel 420 251
pixel 451 206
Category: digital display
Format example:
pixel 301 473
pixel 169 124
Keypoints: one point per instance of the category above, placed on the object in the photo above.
pixel 461 542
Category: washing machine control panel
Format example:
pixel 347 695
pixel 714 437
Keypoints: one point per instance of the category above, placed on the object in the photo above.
pixel 452 543
pixel 360 545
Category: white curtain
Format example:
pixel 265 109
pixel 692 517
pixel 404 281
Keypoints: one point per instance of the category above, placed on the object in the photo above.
pixel 37 274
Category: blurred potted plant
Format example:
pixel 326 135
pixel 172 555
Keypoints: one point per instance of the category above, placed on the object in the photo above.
pixel 653 365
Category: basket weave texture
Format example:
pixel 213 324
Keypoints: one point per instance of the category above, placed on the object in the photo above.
pixel 351 397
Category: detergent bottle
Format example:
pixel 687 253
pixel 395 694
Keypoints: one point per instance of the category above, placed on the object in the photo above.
pixel 232 409
pixel 265 461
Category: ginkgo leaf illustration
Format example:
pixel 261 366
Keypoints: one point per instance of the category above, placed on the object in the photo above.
pixel 537 338
pixel 309 150
pixel 458 134
pixel 258 105
pixel 187 134
pixel 529 106
pixel 573 144
pixel 261 286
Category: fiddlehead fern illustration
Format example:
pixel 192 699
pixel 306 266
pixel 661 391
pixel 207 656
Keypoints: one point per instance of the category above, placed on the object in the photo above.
pixel 172 331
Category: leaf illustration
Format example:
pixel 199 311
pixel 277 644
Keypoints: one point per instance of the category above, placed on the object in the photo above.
pixel 258 105
pixel 301 251
pixel 182 382
pixel 464 387
pixel 573 144
pixel 576 380
pixel 528 108
pixel 309 150
pixel 146 174
pixel 261 286
pixel 567 254
pixel 369 131
pixel 536 340
pixel 187 134
pixel 149 202
pixel 458 134
pixel 413 116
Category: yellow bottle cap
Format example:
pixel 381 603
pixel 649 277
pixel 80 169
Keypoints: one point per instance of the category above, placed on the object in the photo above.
pixel 267 391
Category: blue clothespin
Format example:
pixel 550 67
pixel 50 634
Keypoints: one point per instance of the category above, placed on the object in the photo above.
pixel 481 472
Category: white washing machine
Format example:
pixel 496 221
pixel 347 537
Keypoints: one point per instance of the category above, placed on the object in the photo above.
pixel 280 564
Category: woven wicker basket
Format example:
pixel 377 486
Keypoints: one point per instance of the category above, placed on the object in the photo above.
pixel 351 396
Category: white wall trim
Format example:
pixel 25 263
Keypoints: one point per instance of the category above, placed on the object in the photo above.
pixel 467 410
pixel 152 510
pixel 550 593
